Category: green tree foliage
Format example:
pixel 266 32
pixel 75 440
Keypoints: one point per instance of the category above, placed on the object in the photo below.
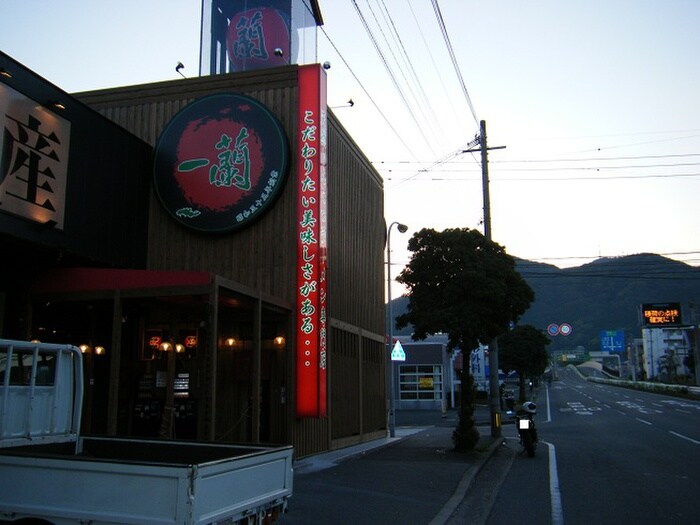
pixel 462 284
pixel 523 350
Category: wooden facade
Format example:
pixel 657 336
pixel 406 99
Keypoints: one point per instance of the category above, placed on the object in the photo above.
pixel 262 258
pixel 122 272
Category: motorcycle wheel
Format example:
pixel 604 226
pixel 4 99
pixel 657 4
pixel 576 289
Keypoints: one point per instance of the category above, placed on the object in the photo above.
pixel 529 445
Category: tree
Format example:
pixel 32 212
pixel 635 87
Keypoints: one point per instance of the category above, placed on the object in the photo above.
pixel 523 350
pixel 462 284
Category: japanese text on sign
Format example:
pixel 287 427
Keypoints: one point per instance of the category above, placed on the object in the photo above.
pixel 311 245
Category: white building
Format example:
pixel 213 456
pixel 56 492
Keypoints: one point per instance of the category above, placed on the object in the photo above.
pixel 664 352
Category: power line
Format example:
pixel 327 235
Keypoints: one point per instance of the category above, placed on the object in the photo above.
pixel 391 74
pixel 436 70
pixel 371 99
pixel 601 178
pixel 587 159
pixel 450 49
pixel 421 98
pixel 667 276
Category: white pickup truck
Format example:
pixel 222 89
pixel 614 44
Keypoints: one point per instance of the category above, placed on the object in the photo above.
pixel 49 474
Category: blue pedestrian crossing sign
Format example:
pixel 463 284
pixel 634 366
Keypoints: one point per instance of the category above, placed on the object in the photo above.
pixel 397 353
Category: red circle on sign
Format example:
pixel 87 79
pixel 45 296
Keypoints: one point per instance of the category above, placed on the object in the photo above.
pixel 199 141
pixel 254 35
pixel 565 329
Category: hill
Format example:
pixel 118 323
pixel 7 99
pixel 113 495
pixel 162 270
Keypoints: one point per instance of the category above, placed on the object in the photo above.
pixel 602 295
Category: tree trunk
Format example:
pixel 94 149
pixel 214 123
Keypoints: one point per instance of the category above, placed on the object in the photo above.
pixel 521 394
pixel 466 435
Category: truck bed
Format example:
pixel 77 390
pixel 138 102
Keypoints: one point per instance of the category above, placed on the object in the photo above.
pixel 116 480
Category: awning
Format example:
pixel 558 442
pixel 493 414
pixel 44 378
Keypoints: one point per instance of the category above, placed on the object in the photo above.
pixel 71 280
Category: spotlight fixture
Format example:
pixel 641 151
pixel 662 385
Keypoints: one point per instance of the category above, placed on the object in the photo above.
pixel 5 73
pixel 56 104
pixel 326 65
pixel 178 67
pixel 279 52
pixel 350 103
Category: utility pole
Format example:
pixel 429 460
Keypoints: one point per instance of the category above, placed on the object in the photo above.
pixel 494 387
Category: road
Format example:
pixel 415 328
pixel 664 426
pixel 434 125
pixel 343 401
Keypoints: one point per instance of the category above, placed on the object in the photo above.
pixel 606 455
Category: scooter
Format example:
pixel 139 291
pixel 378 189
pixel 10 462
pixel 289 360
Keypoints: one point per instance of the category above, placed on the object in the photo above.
pixel 525 421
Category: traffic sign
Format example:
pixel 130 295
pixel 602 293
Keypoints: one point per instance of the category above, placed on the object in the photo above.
pixel 565 329
pixel 612 341
pixel 553 329
pixel 397 354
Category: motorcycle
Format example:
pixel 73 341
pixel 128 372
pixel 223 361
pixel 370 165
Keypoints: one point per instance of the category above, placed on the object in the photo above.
pixel 525 421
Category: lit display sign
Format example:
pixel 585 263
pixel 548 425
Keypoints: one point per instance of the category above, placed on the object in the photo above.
pixel 311 232
pixel 220 163
pixel 244 35
pixel 661 314
pixel 34 145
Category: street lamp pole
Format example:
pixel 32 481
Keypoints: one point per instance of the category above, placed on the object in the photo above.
pixel 392 409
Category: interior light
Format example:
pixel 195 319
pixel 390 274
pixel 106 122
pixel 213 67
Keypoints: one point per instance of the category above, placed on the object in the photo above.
pixel 179 348
pixel 5 73
pixel 230 341
pixel 99 350
pixel 84 349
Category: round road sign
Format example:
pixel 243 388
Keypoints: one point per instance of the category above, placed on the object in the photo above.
pixel 553 329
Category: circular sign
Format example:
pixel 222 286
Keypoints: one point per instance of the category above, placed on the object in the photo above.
pixel 565 329
pixel 220 163
pixel 258 38
pixel 553 329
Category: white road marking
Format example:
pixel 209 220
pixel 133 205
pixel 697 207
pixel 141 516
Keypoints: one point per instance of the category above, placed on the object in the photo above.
pixel 642 421
pixel 685 437
pixel 554 492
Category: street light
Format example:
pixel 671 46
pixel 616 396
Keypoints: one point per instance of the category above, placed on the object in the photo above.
pixel 392 412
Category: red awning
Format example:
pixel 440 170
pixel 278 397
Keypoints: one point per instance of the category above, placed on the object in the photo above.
pixel 66 280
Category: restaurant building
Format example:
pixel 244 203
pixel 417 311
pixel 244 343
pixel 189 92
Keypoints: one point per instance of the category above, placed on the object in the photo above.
pixel 215 243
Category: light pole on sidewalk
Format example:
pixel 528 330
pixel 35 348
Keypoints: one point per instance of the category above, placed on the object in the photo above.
pixel 392 409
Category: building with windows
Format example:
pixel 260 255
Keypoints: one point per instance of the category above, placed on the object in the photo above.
pixel 665 351
pixel 425 380
pixel 215 243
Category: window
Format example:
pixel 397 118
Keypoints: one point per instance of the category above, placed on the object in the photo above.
pixel 420 383
pixel 21 369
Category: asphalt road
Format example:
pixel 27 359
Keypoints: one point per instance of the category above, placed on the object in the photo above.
pixel 606 455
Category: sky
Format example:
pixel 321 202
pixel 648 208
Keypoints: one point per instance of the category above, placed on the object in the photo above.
pixel 593 106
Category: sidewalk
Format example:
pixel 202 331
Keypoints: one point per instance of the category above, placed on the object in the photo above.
pixel 415 477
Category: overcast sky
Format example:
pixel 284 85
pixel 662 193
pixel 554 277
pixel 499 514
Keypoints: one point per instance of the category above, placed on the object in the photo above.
pixel 595 101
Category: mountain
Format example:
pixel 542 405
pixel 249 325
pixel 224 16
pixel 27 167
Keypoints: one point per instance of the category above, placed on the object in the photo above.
pixel 602 295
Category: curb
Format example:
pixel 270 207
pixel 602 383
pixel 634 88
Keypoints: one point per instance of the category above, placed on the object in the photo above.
pixel 465 484
pixel 330 459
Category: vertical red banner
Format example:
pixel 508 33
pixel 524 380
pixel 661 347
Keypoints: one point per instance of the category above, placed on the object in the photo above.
pixel 311 229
